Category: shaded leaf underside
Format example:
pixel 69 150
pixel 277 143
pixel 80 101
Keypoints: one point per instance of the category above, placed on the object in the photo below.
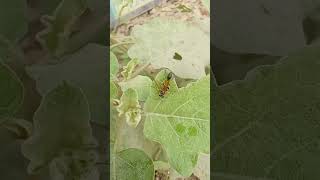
pixel 268 126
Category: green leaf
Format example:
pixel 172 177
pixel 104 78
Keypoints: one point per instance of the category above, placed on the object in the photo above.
pixel 141 84
pixel 79 164
pixel 157 84
pixel 45 7
pixel 59 26
pixel 181 123
pixel 130 107
pixel 266 126
pixel 21 128
pixel 158 165
pixel 61 128
pixel 86 69
pixel 97 6
pixel 133 164
pixel 113 91
pixel 128 69
pixel 13 19
pixel 175 37
pixel 234 34
pixel 11 91
pixel 13 23
pixel 12 162
pixel 114 66
pixel 124 137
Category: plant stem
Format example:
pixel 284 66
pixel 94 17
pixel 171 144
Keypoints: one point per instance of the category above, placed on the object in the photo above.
pixel 138 71
pixel 119 16
pixel 157 153
pixel 121 43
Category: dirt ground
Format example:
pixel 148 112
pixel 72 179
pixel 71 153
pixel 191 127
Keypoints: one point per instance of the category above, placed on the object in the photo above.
pixel 187 10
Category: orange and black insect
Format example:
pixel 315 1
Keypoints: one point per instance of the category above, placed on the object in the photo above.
pixel 164 88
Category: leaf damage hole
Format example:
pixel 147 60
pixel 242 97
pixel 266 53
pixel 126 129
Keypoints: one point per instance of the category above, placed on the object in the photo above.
pixel 177 56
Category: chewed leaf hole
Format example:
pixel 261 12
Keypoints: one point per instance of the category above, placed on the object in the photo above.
pixel 177 56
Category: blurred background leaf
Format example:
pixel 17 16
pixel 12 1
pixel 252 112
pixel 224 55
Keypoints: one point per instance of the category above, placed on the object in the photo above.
pixel 11 92
pixel 62 109
pixel 86 69
pixel 266 126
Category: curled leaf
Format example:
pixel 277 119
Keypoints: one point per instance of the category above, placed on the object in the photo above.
pixel 61 125
pixel 59 26
pixel 128 69
pixel 130 107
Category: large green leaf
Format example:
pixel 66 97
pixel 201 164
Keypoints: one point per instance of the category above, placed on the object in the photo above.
pixel 62 133
pixel 273 28
pixel 12 162
pixel 183 48
pixel 13 23
pixel 133 164
pixel 180 122
pixel 13 20
pixel 11 91
pixel 267 126
pixel 86 69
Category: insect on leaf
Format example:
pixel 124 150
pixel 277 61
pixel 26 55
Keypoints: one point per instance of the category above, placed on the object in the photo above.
pixel 158 84
pixel 180 122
